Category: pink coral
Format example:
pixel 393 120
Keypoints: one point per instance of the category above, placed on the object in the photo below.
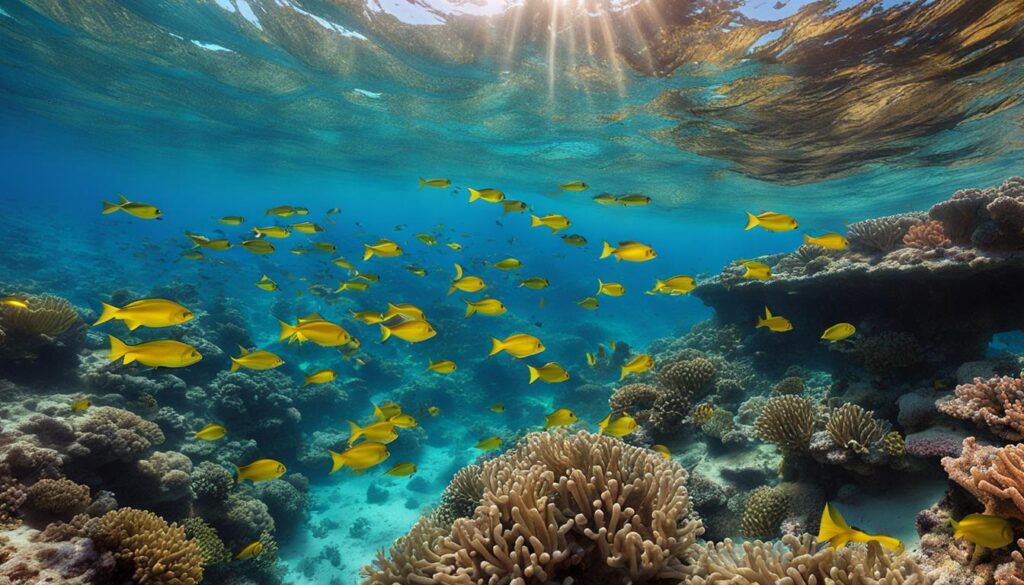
pixel 996 403
pixel 928 235
pixel 994 475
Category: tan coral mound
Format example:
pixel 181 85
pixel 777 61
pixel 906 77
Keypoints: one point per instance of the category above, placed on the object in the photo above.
pixel 47 316
pixel 153 550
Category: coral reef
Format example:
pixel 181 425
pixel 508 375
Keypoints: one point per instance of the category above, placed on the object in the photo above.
pixel 765 508
pixel 882 234
pixel 211 547
pixel 57 499
pixel 994 475
pixel 786 421
pixel 855 428
pixel 460 499
pixel 149 549
pixel 996 404
pixel 45 337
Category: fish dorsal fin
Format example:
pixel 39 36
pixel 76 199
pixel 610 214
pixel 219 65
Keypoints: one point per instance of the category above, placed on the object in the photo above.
pixel 122 198
pixel 311 317
pixel 458 271
pixel 243 350
pixel 628 243
pixel 767 314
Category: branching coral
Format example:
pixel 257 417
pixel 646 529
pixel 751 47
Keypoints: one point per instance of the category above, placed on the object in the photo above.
pixel 787 421
pixel 882 234
pixel 413 559
pixel 927 235
pixel 151 550
pixel 996 403
pixel 994 475
pixel 765 509
pixel 461 497
pixel 855 428
pixel 894 445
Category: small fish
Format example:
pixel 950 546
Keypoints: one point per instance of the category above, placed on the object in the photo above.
pixel 334 211
pixel 316 329
pixel 559 418
pixel 402 470
pixel 512 206
pixel 261 247
pixel 301 211
pixel 382 431
pixel 368 276
pixel 489 444
pixel 403 421
pixel 405 309
pixel 984 530
pixel 80 405
pixel 442 366
pixel 755 270
pixel 637 365
pixel 435 183
pixel 281 211
pixel 491 307
pixel 574 186
pixel 611 289
pixel 633 200
pixel 204 242
pixel 620 427
pixel 497 407
pixel 611 345
pixel 470 284
pixel 553 221
pixel 520 345
pixel 771 221
pixel 774 323
pixel 574 240
pixel 265 283
pixel 454 246
pixel 835 531
pixel 193 255
pixel 838 332
pixel 428 239
pixel 589 303
pixel 368 317
pixel 663 451
pixel 386 410
pixel 325 247
pixel 534 282
pixel 417 270
pixel 357 285
pixel 343 263
pixel 605 199
pixel 702 413
pixel 830 241
pixel 261 470
pixel 146 313
pixel 413 331
pixel 488 195
pixel 321 377
pixel 508 264
pixel 383 248
pixel 674 285
pixel 300 250
pixel 274 231
pixel 433 410
pixel 250 552
pixel 256 360
pixel 211 432
pixel 551 372
pixel 629 251
pixel 363 456
pixel 590 359
pixel 134 208
pixel 232 220
pixel 166 353
pixel 307 227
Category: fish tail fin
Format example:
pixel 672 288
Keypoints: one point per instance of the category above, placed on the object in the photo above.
pixel 622 376
pixel 385 332
pixel 422 182
pixel 109 311
pixel 337 461
pixel 473 195
pixel 760 322
pixel 354 432
pixel 119 349
pixel 234 365
pixel 807 238
pixel 535 221
pixel 238 474
pixel 834 528
pixel 496 346
pixel 109 207
pixel 956 527
pixel 534 374
pixel 458 271
pixel 367 253
pixel 606 250
pixel 470 309
pixel 286 330
pixel 600 286
pixel 752 221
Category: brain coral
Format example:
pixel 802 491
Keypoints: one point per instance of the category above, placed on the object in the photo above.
pixel 787 421
pixel 149 549
pixel 996 403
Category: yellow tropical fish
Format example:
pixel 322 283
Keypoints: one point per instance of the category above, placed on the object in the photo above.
pixel 589 303
pixel 774 323
pixel 428 239
pixel 208 244
pixel 611 345
pixel 261 470
pixel 508 264
pixel 454 246
pixel 266 284
pixel 368 276
pixel 281 211
pixel 771 221
pixel 830 241
pixel 386 410
pixel 574 240
pixel 534 282
pixel 402 470
pixel 984 530
pixel 260 247
pixel 590 359
pixel 250 552
pixel 316 329
pixel 383 248
pixel 382 431
pixel 488 195
pixel 413 331
pixel 674 285
pixel 321 377
pixel 620 427
pixel 343 263
pixel 489 443
pixel 362 456
pixel 232 220
pixel 553 221
pixel 325 247
pixel 633 200
pixel 756 270
pixel 300 250
pixel 435 183
pixel 357 285
pixel 307 227
pixel 551 372
pixel 442 366
pixel 416 270
pixel 603 423
pixel 637 365
pixel 838 332
pixel 520 345
pixel 80 405
pixel 433 410
pixel 405 309
pixel 605 199
pixel 301 211
pixel 165 353
pixel 191 255
pixel 559 418
pixel 403 421
pixel 211 432
pixel 146 313
pixel 274 231
pixel 512 206
pixel 469 284
pixel 257 360
pixel 334 211
pixel 611 289
pixel 368 317
pixel 663 451
pixel 629 251
pixel 835 531
pixel 484 307
pixel 139 210
pixel 497 408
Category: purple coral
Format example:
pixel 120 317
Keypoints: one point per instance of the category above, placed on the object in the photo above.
pixel 996 403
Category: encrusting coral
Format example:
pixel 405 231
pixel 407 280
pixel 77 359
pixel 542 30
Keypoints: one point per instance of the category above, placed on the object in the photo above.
pixel 786 421
pixel 996 403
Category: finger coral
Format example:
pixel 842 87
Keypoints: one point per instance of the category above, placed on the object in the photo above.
pixel 996 403
pixel 994 475
pixel 787 421
pixel 413 559
pixel 149 549
pixel 855 428
pixel 927 235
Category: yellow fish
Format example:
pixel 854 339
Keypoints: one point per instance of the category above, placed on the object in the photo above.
pixel 603 423
pixel 261 470
pixel 508 264
pixel 497 407
pixel 368 317
pixel 559 418
pixel 325 247
pixel 301 211
pixel 165 353
pixel 674 285
pixel 488 195
pixel 611 289
pixel 334 211
pixel 362 456
pixel 435 183
pixel 629 251
pixel 80 405
pixel 250 552
pixel 207 243
pixel 368 276
pixel 300 251
pixel 232 220
pixel 191 255
pixel 774 323
pixel 402 470
pixel 357 285
pixel 417 270
pixel 534 282
pixel 383 248
pixel 454 246
pixel 489 443
pixel 257 360
pixel 382 431
pixel 321 377
pixel 838 332
pixel 413 331
pixel 605 199
pixel 574 186
pixel 590 359
pixel 637 365
pixel 307 227
pixel 771 221
pixel 343 263
pixel 830 241
pixel 663 451
pixel 211 432
pixel 620 427
pixel 403 421
pixel 316 329
pixel 984 530
pixel 433 410
pixel 520 345
pixel 756 270
pixel 553 221
pixel 406 309
pixel 469 284
pixel 266 284
pixel 835 531
pixel 146 313
pixel 484 307
pixel 512 206
pixel 274 231
pixel 261 247
pixel 386 410
pixel 442 366
pixel 633 200
pixel 574 240
pixel 139 210
pixel 551 372
pixel 427 239
pixel 281 211
pixel 589 303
